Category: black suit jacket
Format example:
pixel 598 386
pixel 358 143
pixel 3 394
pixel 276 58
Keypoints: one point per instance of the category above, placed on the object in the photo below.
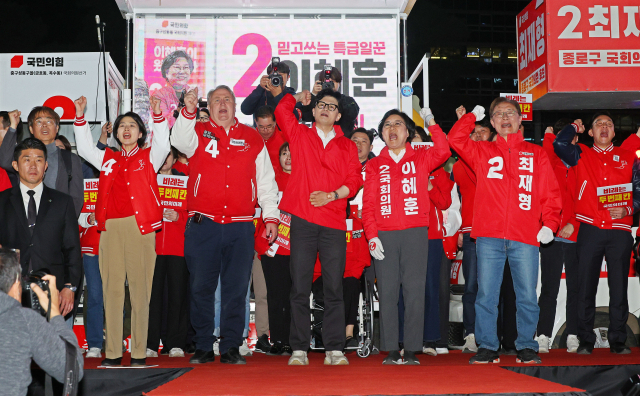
pixel 55 243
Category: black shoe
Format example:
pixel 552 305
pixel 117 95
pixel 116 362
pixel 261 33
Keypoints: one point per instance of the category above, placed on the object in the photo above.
pixel 112 362
pixel 585 348
pixel 138 362
pixel 410 358
pixel 190 349
pixel 202 357
pixel 484 356
pixel 351 343
pixel 164 351
pixel 528 356
pixel 393 358
pixel 262 344
pixel 232 356
pixel 507 351
pixel 618 347
pixel 276 349
pixel 286 350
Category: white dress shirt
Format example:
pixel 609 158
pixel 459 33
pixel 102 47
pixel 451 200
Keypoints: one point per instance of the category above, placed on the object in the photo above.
pixel 398 157
pixel 36 196
pixel 326 138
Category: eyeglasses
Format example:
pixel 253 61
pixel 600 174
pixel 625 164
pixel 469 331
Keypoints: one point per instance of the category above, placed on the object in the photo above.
pixel 397 124
pixel 266 128
pixel 503 114
pixel 203 118
pixel 39 122
pixel 226 99
pixel 176 69
pixel 601 124
pixel 329 106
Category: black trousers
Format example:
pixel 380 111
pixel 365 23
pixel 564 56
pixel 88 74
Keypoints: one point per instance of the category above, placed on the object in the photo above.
pixel 277 276
pixel 593 244
pixel 445 297
pixel 553 257
pixel 307 240
pixel 351 293
pixel 507 325
pixel 173 270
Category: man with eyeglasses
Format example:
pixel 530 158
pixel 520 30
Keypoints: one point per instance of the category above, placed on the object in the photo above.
pixel 606 222
pixel 65 168
pixel 203 115
pixel 265 94
pixel 265 120
pixel 519 175
pixel 229 173
pixel 326 172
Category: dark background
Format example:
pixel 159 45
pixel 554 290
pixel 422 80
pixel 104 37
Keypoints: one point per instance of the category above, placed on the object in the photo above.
pixel 472 44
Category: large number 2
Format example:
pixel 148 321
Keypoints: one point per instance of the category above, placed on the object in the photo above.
pixel 498 164
pixel 106 167
pixel 212 148
pixel 243 87
pixel 568 32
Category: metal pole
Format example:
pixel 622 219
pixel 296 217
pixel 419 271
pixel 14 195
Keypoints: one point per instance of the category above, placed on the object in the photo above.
pixel 104 61
pixel 404 47
pixel 128 49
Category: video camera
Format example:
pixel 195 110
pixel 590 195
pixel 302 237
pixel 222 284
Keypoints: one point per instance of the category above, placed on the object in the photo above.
pixel 275 77
pixel 29 297
pixel 327 83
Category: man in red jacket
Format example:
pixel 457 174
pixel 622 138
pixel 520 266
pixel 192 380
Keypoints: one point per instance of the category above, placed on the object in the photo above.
pixel 519 176
pixel 325 171
pixel 606 226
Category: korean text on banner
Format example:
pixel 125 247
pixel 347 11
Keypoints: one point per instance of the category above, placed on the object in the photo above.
pixel 284 231
pixel 173 191
pixel 532 49
pixel 526 104
pixel 90 195
pixel 618 196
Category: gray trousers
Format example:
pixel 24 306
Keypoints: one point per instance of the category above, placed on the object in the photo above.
pixel 260 291
pixel 405 263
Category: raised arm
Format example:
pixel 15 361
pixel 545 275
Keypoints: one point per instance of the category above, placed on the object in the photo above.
pixel 9 142
pixel 459 136
pixel 569 153
pixel 84 140
pixel 251 103
pixel 267 188
pixel 440 193
pixel 160 145
pixel 632 143
pixel 284 114
pixel 369 202
pixel 183 136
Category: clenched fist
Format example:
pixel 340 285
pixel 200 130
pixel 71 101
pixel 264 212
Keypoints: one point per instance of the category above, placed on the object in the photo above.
pixel 191 100
pixel 155 104
pixel 81 104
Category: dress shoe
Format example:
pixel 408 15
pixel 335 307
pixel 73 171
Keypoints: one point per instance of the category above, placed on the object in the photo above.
pixel 112 362
pixel 262 344
pixel 585 348
pixel 138 362
pixel 202 357
pixel 190 349
pixel 232 356
pixel 620 348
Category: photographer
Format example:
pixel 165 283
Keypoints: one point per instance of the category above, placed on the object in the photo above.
pixel 266 93
pixel 25 335
pixel 350 108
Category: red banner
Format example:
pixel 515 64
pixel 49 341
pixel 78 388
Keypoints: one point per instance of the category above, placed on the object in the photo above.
pixel 90 195
pixel 532 49
pixel 173 191
pixel 284 231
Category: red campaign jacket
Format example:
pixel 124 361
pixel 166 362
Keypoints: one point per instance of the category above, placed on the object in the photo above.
pixel 396 195
pixel 261 244
pixel 89 240
pixel 5 182
pixel 517 191
pixel 440 197
pixel 466 180
pixel 566 177
pixel 182 168
pixel 317 168
pixel 273 145
pixel 142 185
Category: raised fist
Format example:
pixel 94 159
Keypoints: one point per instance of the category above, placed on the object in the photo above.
pixel 460 111
pixel 81 104
pixel 303 97
pixel 191 100
pixel 14 118
pixel 478 111
pixel 580 125
pixel 155 104
pixel 107 128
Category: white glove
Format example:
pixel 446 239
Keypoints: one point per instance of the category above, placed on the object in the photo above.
pixel 375 248
pixel 426 115
pixel 478 111
pixel 545 235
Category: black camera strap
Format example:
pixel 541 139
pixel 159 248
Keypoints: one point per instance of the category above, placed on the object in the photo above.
pixel 71 370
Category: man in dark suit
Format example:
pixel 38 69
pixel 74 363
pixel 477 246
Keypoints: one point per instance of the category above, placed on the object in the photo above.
pixel 42 223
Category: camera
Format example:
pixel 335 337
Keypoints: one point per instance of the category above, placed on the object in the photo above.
pixel 176 112
pixel 29 297
pixel 326 78
pixel 275 77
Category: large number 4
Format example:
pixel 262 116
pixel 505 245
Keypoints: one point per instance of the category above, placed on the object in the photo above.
pixel 212 148
pixel 498 164
pixel 106 167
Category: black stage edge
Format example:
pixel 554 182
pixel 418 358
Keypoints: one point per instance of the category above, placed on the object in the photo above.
pixel 597 380
pixel 114 382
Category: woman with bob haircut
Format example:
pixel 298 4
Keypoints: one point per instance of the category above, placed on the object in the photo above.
pixel 128 213
pixel 395 214
pixel 176 69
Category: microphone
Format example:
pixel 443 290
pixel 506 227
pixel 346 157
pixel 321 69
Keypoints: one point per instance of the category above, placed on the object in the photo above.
pixel 98 26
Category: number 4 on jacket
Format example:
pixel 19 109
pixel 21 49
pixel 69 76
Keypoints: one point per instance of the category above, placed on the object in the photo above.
pixel 212 148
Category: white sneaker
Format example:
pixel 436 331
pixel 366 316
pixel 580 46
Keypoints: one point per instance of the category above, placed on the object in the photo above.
pixel 151 353
pixel 543 343
pixel 470 344
pixel 335 358
pixel 572 343
pixel 176 352
pixel 298 358
pixel 93 353
pixel 216 348
pixel 429 351
pixel 442 351
pixel 244 349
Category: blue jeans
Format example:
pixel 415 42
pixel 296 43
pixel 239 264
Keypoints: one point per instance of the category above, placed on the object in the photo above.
pixel 94 323
pixel 524 262
pixel 470 273
pixel 247 315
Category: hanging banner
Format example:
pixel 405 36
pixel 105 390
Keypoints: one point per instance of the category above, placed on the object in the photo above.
pixel 90 195
pixel 173 191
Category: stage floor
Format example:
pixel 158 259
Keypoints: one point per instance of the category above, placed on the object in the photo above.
pixel 442 375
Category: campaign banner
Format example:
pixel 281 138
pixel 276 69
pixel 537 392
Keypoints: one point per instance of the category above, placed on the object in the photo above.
pixel 284 231
pixel 526 104
pixel 532 49
pixel 617 196
pixel 90 195
pixel 173 191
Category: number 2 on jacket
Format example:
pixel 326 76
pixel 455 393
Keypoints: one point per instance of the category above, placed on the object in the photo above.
pixel 212 148
pixel 498 164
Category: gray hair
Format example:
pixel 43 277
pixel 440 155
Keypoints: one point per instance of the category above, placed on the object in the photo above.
pixel 221 87
pixel 9 269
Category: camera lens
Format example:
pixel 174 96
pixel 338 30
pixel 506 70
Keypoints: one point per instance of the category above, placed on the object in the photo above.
pixel 275 81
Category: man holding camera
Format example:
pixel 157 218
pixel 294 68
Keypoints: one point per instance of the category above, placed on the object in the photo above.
pixel 42 223
pixel 272 88
pixel 25 335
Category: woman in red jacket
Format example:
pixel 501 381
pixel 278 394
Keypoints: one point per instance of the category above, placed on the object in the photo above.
pixel 128 213
pixel 395 214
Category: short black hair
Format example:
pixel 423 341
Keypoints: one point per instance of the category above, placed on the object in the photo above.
pixel 204 110
pixel 411 126
pixel 29 143
pixel 138 121
pixel 10 269
pixel 284 146
pixel 265 112
pixel 175 152
pixel 369 132
pixel 171 59
pixel 560 124
pixel 6 122
pixel 335 75
pixel 598 114
pixel 65 142
pixel 282 68
pixel 423 134
pixel 42 109
pixel 330 92
pixel 484 123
